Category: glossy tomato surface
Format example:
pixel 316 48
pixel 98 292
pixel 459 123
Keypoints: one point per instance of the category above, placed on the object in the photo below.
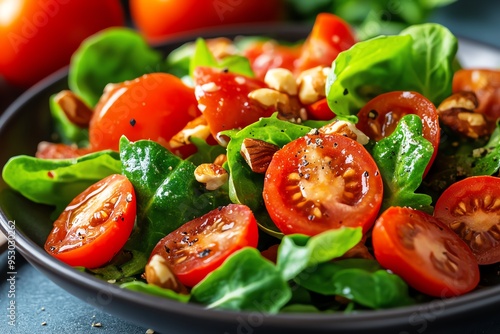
pixel 160 18
pixel 39 37
pixel 424 252
pixel 321 182
pixel 486 84
pixel 200 246
pixel 154 106
pixel 95 225
pixel 471 208
pixel 380 116
pixel 223 99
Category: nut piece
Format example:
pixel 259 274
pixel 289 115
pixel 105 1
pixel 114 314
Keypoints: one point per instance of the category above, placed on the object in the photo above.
pixel 198 128
pixel 258 154
pixel 458 113
pixel 312 83
pixel 346 129
pixel 157 272
pixel 282 80
pixel 268 97
pixel 220 160
pixel 75 109
pixel 212 175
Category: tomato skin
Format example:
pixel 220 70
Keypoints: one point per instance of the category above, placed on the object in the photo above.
pixel 31 40
pixel 80 238
pixel 384 112
pixel 320 110
pixel 201 245
pixel 329 36
pixel 154 106
pixel 225 104
pixel 321 182
pixel 486 84
pixel 159 18
pixel 424 252
pixel 469 208
pixel 48 150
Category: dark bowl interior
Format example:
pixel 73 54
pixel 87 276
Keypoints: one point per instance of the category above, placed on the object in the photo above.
pixel 27 122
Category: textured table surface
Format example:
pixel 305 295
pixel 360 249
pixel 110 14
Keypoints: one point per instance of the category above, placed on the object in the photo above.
pixel 43 307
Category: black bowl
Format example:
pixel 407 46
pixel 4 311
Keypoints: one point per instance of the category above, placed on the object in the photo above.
pixel 27 121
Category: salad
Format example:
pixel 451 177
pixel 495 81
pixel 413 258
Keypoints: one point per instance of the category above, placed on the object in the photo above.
pixel 327 175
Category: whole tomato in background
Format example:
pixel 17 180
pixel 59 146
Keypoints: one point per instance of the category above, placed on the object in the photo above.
pixel 39 37
pixel 159 18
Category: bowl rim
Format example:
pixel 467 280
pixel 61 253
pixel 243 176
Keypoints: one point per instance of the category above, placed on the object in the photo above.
pixel 360 320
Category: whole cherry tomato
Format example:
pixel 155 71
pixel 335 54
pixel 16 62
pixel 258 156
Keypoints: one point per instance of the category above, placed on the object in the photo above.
pixel 160 18
pixel 95 225
pixel 39 37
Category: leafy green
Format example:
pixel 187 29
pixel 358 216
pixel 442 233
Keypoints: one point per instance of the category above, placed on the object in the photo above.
pixel 124 265
pixel 204 57
pixel 178 61
pixel 112 55
pixel 69 132
pixel 57 182
pixel 420 59
pixel 206 153
pixel 168 194
pixel 245 281
pixel 402 159
pixel 359 280
pixel 486 160
pixel 155 291
pixel 298 252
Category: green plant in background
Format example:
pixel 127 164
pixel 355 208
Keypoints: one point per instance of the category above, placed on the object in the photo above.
pixel 369 17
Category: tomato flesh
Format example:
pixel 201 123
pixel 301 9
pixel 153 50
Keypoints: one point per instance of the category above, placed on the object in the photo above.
pixel 321 182
pixel 380 116
pixel 471 208
pixel 95 225
pixel 154 106
pixel 424 252
pixel 223 99
pixel 200 246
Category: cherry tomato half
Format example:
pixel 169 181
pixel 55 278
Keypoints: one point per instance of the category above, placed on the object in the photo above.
pixel 380 116
pixel 95 225
pixel 223 99
pixel 154 106
pixel 424 252
pixel 321 182
pixel 471 208
pixel 200 246
pixel 39 37
pixel 160 18
pixel 486 85
pixel 329 36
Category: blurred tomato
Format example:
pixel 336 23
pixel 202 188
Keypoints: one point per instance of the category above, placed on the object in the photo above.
pixel 158 18
pixel 38 37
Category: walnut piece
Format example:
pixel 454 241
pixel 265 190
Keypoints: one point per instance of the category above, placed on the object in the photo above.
pixel 157 272
pixel 346 129
pixel 258 154
pixel 198 128
pixel 212 175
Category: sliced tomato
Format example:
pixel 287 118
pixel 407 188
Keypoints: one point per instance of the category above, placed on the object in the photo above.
pixel 424 252
pixel 486 84
pixel 46 150
pixel 223 99
pixel 329 36
pixel 200 246
pixel 95 225
pixel 471 208
pixel 380 116
pixel 264 56
pixel 154 106
pixel 320 110
pixel 321 182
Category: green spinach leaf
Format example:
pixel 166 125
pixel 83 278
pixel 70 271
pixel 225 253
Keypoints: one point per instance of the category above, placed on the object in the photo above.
pixel 155 291
pixel 402 158
pixel 245 281
pixel 69 132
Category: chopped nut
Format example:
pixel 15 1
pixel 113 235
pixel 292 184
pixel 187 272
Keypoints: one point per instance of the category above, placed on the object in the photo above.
pixel 220 159
pixel 458 113
pixel 221 47
pixel 312 83
pixel 258 154
pixel 288 107
pixel 268 97
pixel 157 272
pixel 196 128
pixel 346 129
pixel 282 80
pixel 212 175
pixel 74 108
